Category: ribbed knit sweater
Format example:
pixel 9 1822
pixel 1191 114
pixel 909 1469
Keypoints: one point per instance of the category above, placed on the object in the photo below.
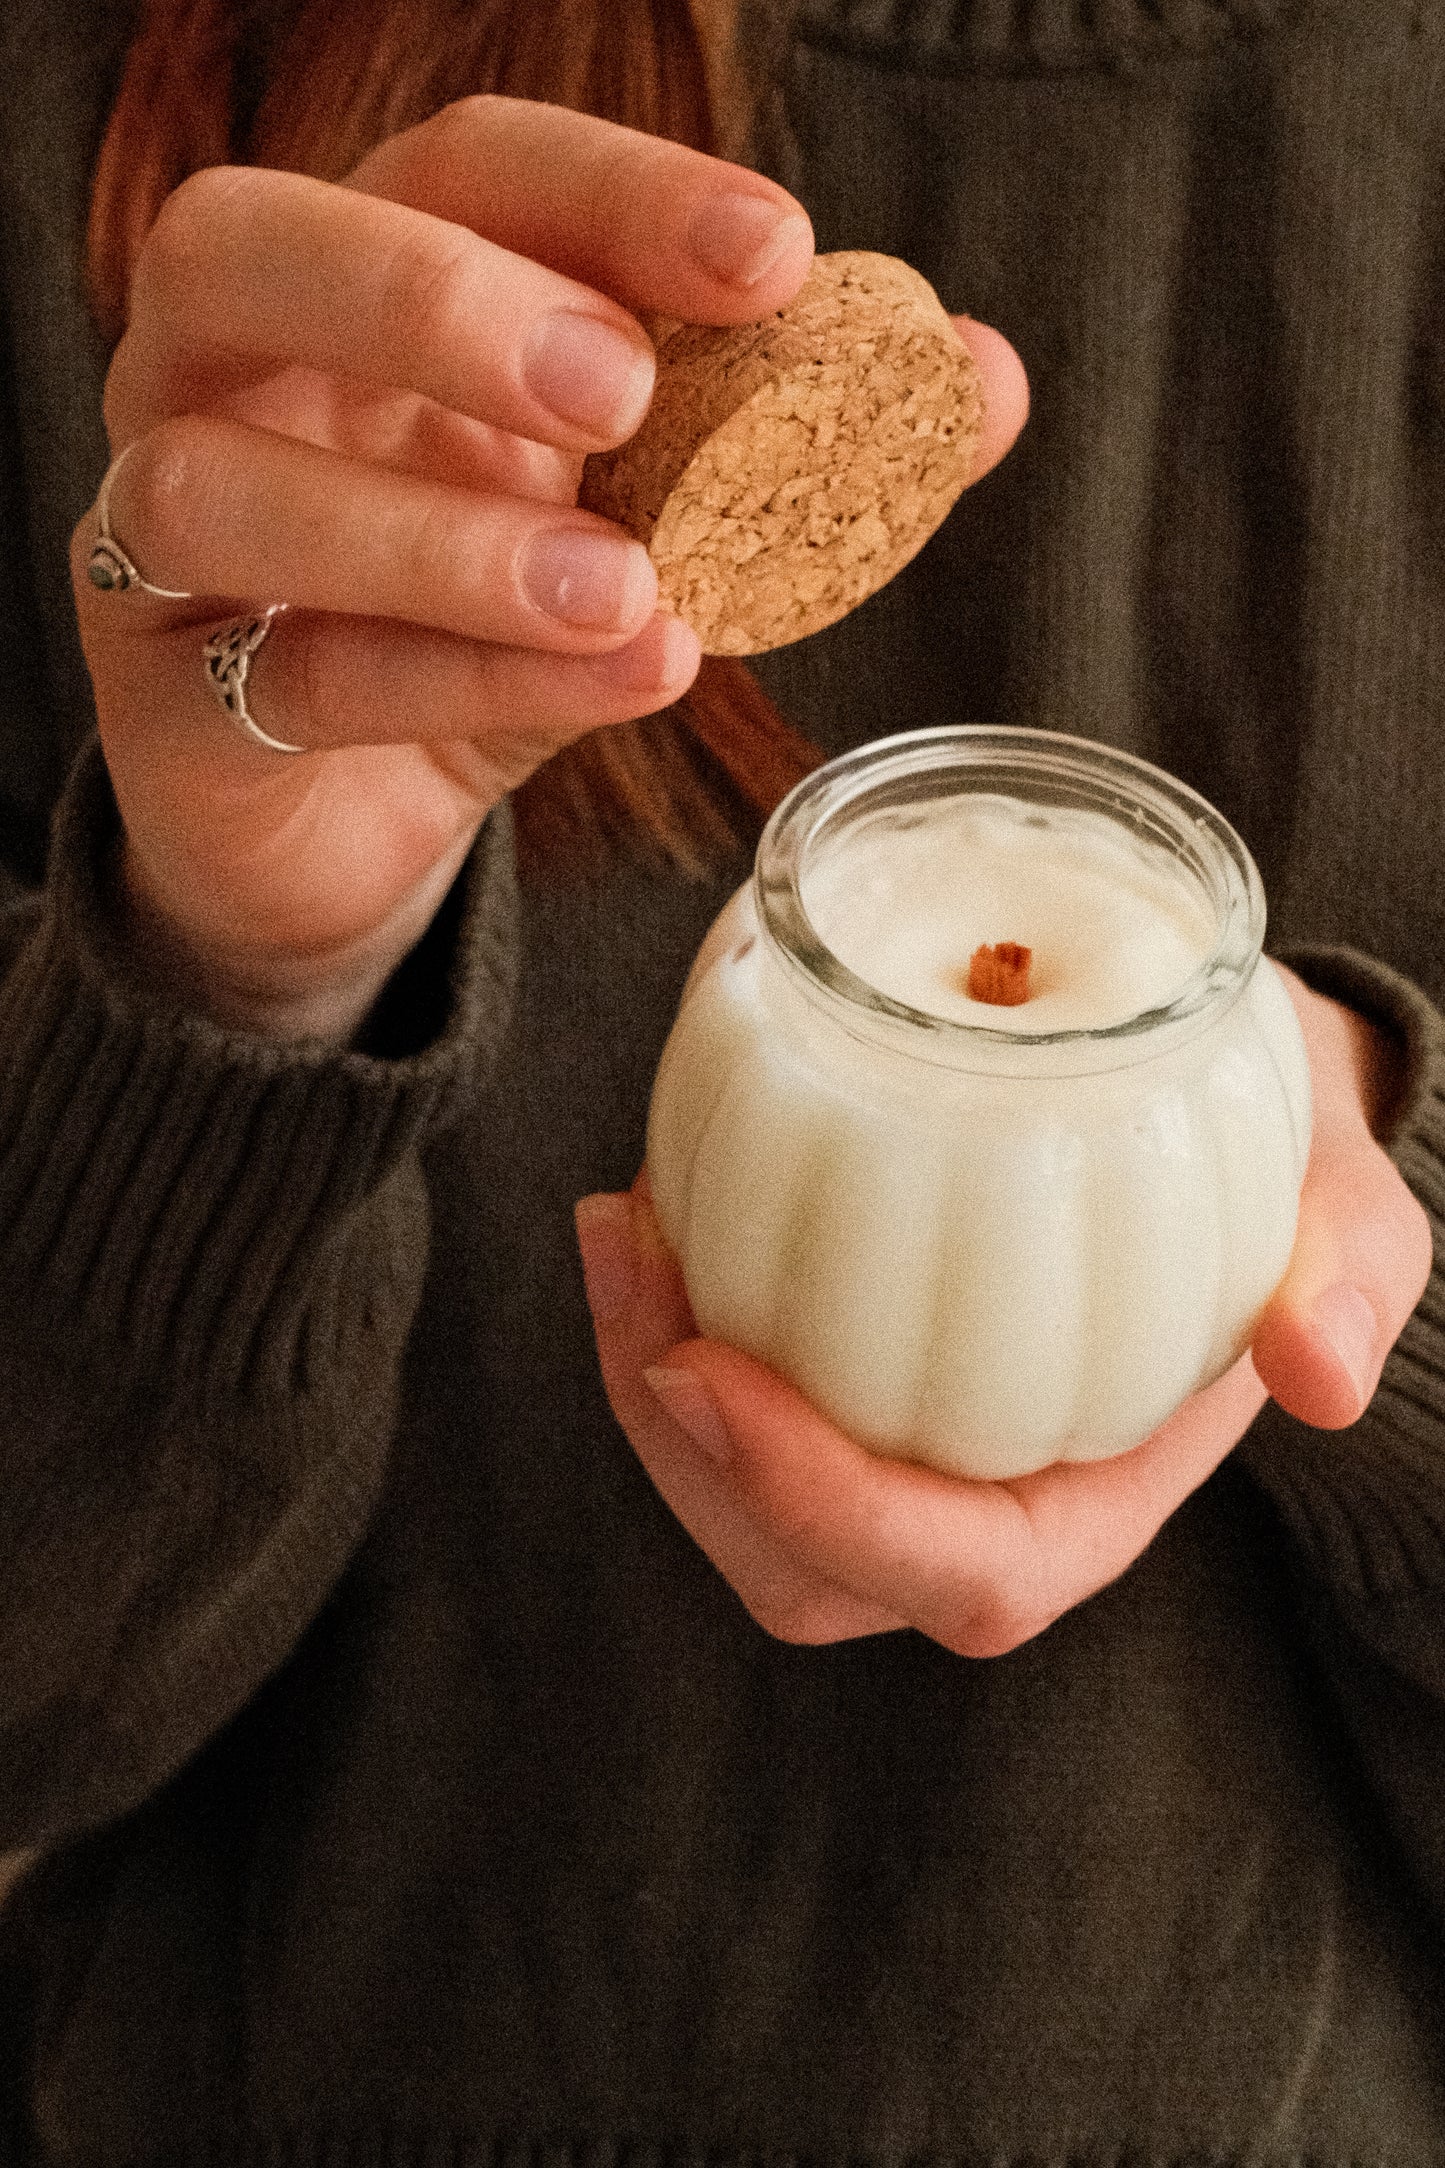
pixel 410 1792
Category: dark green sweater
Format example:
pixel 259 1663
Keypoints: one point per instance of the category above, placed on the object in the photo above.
pixel 412 1794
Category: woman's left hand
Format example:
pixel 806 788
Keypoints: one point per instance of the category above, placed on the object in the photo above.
pixel 823 1541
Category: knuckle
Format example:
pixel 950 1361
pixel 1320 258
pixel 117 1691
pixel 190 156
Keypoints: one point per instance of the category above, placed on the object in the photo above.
pixel 801 1621
pixel 401 163
pixel 181 245
pixel 623 175
pixel 434 549
pixel 463 117
pixel 164 483
pixel 994 1624
pixel 429 285
pixel 786 1496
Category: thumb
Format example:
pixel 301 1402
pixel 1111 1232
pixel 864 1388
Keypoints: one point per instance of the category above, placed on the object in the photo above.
pixel 1361 1258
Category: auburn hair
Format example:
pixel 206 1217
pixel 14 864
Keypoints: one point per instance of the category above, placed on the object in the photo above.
pixel 310 86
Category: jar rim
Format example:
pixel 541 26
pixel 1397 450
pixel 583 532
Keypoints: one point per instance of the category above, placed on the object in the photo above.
pixel 1046 765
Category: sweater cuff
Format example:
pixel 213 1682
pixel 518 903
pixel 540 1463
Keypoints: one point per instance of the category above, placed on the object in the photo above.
pixel 179 1192
pixel 1367 1504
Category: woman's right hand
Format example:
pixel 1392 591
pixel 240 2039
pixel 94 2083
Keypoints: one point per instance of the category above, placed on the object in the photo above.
pixel 372 402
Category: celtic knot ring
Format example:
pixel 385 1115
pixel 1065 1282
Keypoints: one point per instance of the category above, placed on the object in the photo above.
pixel 229 654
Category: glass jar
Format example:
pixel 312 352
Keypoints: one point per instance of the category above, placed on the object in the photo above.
pixel 986 1238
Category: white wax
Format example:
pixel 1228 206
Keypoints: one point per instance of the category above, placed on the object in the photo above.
pixel 904 899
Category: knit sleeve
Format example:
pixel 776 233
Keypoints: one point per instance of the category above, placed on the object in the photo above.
pixel 211 1251
pixel 1364 1508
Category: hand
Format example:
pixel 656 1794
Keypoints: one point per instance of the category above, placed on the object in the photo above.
pixel 372 402
pixel 823 1541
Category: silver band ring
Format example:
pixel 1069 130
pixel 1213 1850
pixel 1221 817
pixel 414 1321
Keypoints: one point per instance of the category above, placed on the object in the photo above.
pixel 229 654
pixel 112 569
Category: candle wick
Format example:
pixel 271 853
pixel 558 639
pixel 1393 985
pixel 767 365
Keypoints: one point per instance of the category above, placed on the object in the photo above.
pixel 1000 974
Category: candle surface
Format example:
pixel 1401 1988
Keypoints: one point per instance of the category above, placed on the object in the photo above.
pixel 905 899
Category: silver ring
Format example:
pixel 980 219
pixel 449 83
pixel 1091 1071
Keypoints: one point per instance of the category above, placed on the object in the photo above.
pixel 112 569
pixel 229 653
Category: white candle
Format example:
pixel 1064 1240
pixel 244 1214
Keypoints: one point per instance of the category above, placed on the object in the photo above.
pixel 979 1236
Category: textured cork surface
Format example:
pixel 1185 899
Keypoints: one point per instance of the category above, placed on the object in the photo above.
pixel 787 469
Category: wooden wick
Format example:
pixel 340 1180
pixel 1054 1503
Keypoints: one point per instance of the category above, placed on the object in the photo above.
pixel 1000 975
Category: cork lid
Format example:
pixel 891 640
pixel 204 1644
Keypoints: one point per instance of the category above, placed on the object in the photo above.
pixel 787 469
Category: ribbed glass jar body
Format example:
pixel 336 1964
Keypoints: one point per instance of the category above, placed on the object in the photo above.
pixel 981 1238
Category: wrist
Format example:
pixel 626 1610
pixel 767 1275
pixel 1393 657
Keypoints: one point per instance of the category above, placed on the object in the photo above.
pixel 270 990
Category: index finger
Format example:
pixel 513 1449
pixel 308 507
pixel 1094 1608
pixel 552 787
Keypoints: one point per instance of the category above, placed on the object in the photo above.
pixel 651 223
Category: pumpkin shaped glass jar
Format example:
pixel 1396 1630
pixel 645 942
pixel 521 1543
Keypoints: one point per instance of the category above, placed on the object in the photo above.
pixel 986 1237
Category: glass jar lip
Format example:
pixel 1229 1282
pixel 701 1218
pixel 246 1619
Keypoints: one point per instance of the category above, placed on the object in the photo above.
pixel 1063 769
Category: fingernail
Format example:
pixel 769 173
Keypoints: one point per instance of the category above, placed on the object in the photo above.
pixel 589 373
pixel 691 1409
pixel 599 582
pixel 739 238
pixel 604 1238
pixel 1343 1318
pixel 664 654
